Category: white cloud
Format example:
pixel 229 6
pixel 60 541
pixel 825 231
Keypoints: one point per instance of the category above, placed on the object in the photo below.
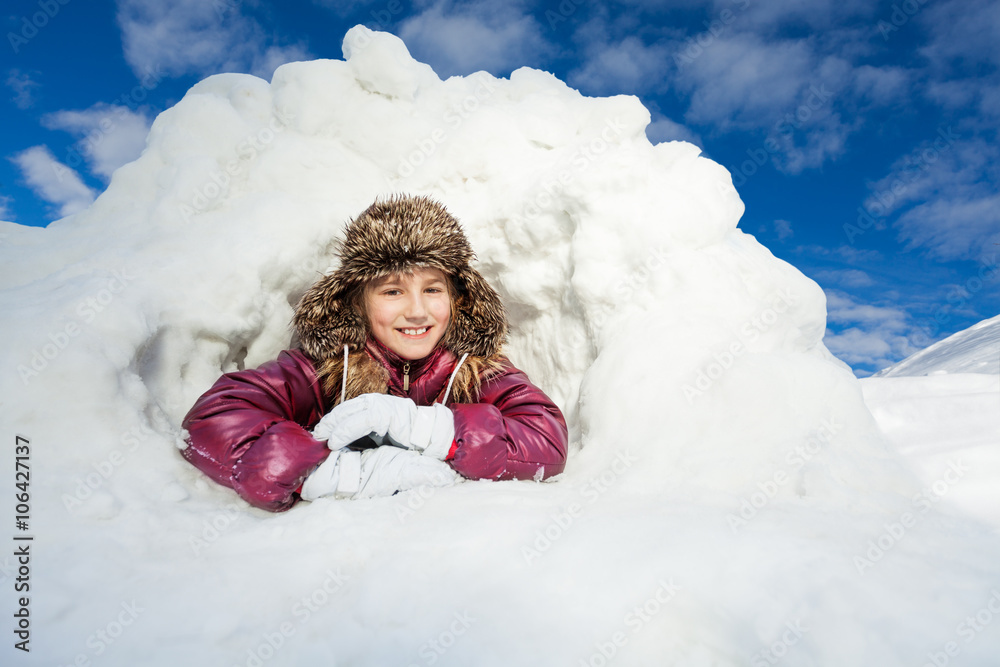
pixel 944 192
pixel 460 39
pixel 264 64
pixel 750 67
pixel 869 336
pixel 952 94
pixel 963 30
pixel 23 87
pixel 194 36
pixel 842 308
pixel 883 86
pixel 871 349
pixel 848 253
pixel 845 277
pixel 344 8
pixel 741 80
pixel 6 214
pixel 626 66
pixel 989 103
pixel 110 135
pixel 954 227
pixel 817 14
pixel 825 139
pixel 783 229
pixel 52 181
pixel 922 172
pixel 962 55
pixel 941 194
pixel 663 129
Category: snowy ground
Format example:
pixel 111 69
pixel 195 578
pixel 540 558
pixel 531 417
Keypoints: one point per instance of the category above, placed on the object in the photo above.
pixel 941 409
pixel 729 498
pixel 943 423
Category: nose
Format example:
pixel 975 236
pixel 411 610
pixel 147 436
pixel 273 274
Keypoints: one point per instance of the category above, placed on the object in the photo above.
pixel 416 309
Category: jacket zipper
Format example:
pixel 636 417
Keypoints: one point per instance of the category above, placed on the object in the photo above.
pixel 406 376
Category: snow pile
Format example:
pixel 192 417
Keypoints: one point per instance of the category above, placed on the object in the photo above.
pixel 973 350
pixel 729 498
pixel 941 409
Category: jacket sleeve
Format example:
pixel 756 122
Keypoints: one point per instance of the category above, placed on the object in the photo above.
pixel 514 432
pixel 249 431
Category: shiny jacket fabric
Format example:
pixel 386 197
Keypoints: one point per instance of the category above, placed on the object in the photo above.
pixel 251 430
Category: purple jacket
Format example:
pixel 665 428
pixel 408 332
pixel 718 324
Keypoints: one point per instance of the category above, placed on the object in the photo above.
pixel 251 430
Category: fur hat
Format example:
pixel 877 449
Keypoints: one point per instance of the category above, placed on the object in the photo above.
pixel 396 236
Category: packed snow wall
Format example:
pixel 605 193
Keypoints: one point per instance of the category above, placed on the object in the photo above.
pixel 628 283
pixel 688 359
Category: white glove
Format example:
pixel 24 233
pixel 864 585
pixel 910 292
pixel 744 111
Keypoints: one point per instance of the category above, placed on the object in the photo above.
pixel 428 429
pixel 381 471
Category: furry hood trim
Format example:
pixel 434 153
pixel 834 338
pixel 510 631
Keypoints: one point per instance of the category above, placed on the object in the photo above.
pixel 392 236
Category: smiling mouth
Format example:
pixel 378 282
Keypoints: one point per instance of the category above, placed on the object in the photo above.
pixel 414 332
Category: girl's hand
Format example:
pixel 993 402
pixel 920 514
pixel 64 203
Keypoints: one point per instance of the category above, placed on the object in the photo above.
pixel 429 430
pixel 381 471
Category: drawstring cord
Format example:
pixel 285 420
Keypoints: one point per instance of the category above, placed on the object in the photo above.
pixel 343 383
pixel 447 391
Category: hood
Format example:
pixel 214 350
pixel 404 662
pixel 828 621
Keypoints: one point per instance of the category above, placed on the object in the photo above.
pixel 398 235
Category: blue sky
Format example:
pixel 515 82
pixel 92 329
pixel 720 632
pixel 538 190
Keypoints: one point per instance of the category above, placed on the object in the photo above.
pixel 861 135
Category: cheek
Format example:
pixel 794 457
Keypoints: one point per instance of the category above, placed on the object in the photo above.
pixel 442 312
pixel 380 315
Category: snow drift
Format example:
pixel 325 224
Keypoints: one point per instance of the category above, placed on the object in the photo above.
pixel 728 498
pixel 972 350
pixel 941 408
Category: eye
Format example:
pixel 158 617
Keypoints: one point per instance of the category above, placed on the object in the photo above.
pixel 392 291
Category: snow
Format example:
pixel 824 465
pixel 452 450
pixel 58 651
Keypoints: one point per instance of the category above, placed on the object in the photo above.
pixel 973 350
pixel 943 420
pixel 729 498
pixel 940 407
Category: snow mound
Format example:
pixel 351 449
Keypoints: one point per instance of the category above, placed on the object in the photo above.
pixel 940 408
pixel 943 422
pixel 729 497
pixel 972 350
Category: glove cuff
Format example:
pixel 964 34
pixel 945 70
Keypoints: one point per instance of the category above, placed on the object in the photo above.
pixel 323 480
pixel 350 474
pixel 442 432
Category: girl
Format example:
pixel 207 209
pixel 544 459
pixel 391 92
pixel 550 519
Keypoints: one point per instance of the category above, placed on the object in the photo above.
pixel 400 378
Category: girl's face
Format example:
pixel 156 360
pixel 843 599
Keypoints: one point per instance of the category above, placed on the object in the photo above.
pixel 409 312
